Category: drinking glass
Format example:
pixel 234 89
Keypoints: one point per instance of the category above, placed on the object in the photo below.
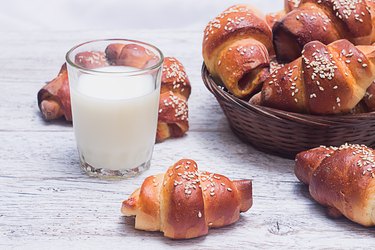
pixel 115 88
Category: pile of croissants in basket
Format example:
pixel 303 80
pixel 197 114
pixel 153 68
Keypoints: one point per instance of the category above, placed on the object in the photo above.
pixel 314 57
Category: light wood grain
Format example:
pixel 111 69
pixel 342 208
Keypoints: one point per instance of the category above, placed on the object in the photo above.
pixel 47 202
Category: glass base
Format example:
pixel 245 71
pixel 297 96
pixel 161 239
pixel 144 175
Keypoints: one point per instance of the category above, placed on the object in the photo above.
pixel 106 173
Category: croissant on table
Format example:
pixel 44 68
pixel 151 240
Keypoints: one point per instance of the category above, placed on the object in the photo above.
pixel 341 179
pixel 54 97
pixel 326 79
pixel 325 21
pixel 236 47
pixel 184 203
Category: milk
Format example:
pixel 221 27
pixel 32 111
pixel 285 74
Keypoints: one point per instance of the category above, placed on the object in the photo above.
pixel 115 118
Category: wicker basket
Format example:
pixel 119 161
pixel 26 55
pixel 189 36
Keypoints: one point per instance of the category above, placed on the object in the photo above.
pixel 285 133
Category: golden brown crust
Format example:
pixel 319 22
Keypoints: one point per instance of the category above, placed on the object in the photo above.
pixel 174 78
pixel 183 213
pixel 308 161
pixel 236 45
pixel 183 203
pixel 284 89
pixel 344 181
pixel 245 192
pixel 325 21
pixel 221 199
pixel 241 75
pixel 235 23
pixel 327 79
pixel 149 201
pixel 173 120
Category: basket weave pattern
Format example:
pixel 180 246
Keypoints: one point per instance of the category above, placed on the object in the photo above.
pixel 285 133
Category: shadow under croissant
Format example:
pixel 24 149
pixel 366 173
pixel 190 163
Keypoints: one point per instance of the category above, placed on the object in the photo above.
pixel 339 222
pixel 60 121
pixel 128 228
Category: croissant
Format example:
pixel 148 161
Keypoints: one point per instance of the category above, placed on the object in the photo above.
pixel 184 203
pixel 327 79
pixel 325 21
pixel 54 97
pixel 236 49
pixel 341 179
pixel 175 90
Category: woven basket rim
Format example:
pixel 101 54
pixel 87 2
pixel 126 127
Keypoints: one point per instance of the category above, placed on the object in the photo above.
pixel 306 119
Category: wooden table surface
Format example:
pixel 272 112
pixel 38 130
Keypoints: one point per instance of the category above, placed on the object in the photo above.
pixel 47 202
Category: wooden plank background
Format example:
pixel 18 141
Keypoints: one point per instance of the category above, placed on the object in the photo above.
pixel 46 201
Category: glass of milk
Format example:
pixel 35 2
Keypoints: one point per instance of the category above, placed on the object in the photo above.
pixel 115 105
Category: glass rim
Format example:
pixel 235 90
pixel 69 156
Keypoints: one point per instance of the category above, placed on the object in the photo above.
pixel 127 73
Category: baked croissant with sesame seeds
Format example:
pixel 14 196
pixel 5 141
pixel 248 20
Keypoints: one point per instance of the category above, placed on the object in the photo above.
pixel 184 203
pixel 326 79
pixel 341 179
pixel 325 21
pixel 174 78
pixel 236 47
pixel 173 120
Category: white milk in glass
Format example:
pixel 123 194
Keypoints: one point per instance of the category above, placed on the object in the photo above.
pixel 115 118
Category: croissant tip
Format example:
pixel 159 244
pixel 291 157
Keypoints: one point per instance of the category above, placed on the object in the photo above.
pixel 128 206
pixel 245 189
pixel 50 109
